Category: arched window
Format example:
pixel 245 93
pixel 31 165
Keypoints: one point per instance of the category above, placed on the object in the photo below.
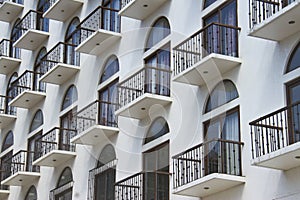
pixel 294 60
pixel 208 3
pixel 70 97
pixel 10 93
pixel 107 155
pixel 16 33
pixel 70 34
pixel 111 68
pixel 158 128
pixel 65 177
pixel 39 86
pixel 37 120
pixel 64 187
pixel 8 141
pixel 72 37
pixel 42 23
pixel 31 194
pixel 224 92
pixel 159 30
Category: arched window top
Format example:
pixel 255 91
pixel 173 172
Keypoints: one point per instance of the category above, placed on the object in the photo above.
pixel 13 77
pixel 107 155
pixel 8 141
pixel 40 55
pixel 208 3
pixel 159 30
pixel 65 177
pixel 31 194
pixel 72 27
pixel 294 60
pixel 70 97
pixel 224 92
pixel 37 120
pixel 111 68
pixel 158 128
pixel 15 32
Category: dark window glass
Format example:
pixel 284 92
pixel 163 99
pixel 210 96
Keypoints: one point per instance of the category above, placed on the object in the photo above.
pixel 42 23
pixel 294 61
pixel 107 155
pixel 158 128
pixel 70 97
pixel 39 86
pixel 8 141
pixel 208 3
pixel 72 37
pixel 37 121
pixel 64 186
pixel 111 67
pixel 65 177
pixel 31 194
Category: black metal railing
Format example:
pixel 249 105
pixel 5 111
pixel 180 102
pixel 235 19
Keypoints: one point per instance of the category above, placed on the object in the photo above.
pixel 147 80
pixel 13 1
pixel 29 80
pixel 101 18
pixel 8 50
pixel 125 3
pixel 214 156
pixel 213 38
pixel 5 108
pixel 55 139
pixel 275 130
pixel 97 113
pixel 66 187
pixel 60 53
pixel 33 20
pixel 260 10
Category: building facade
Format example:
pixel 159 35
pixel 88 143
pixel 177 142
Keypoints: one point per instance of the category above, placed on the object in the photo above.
pixel 140 100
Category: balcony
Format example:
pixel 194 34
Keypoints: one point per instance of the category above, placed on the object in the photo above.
pixel 275 139
pixel 60 64
pixel 18 171
pixel 98 31
pixel 208 168
pixel 27 91
pixel 141 186
pixel 144 92
pixel 7 113
pixel 55 148
pixel 62 10
pixel 95 123
pixel 140 9
pixel 206 55
pixel 33 31
pixel 275 19
pixel 10 9
pixel 9 57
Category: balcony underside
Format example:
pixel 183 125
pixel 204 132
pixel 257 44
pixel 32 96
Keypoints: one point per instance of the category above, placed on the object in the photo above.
pixel 54 158
pixel 95 135
pixel 282 159
pixel 141 9
pixel 60 73
pixel 210 184
pixel 27 99
pixel 5 120
pixel 209 68
pixel 32 40
pixel 62 10
pixel 8 65
pixel 4 194
pixel 143 105
pixel 9 11
pixel 98 42
pixel 277 27
pixel 21 179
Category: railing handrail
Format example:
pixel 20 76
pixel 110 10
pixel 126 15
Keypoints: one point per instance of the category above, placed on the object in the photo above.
pixel 93 102
pixel 15 154
pixel 44 58
pixel 27 14
pixel 24 74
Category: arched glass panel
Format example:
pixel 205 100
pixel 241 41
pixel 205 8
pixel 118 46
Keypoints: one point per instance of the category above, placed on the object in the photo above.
pixel 10 93
pixel 65 177
pixel 107 155
pixel 39 86
pixel 73 37
pixel 70 97
pixel 208 3
pixel 111 67
pixel 16 33
pixel 37 121
pixel 224 92
pixel 294 61
pixel 31 194
pixel 158 128
pixel 42 23
pixel 8 141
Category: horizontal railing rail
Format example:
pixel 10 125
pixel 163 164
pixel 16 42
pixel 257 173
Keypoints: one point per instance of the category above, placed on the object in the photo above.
pixel 13 1
pixel 260 10
pixel 147 80
pixel 55 139
pixel 8 50
pixel 214 156
pixel 213 38
pixel 5 108
pixel 275 130
pixel 60 190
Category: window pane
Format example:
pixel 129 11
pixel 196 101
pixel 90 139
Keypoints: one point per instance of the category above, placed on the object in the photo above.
pixel 111 67
pixel 157 129
pixel 70 97
pixel 8 141
pixel 159 31
pixel 294 62
pixel 37 121
pixel 208 3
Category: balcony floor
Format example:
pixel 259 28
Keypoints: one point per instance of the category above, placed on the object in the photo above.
pixel 277 27
pixel 60 10
pixel 141 9
pixel 282 159
pixel 60 73
pixel 210 184
pixel 54 158
pixel 98 42
pixel 21 178
pixel 140 107
pixel 209 68
pixel 27 99
pixel 8 65
pixel 32 40
pixel 6 119
pixel 4 194
pixel 95 135
pixel 9 11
